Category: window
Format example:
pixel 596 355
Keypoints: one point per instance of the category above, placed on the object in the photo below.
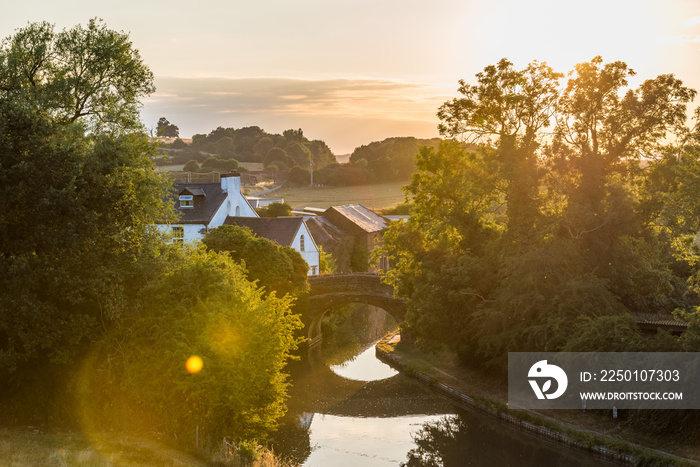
pixel 186 201
pixel 301 243
pixel 313 270
pixel 238 211
pixel 178 232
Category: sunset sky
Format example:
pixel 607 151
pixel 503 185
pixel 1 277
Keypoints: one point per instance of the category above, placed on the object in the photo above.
pixel 352 72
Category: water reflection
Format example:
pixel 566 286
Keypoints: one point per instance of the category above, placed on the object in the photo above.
pixel 355 442
pixel 364 367
pixel 361 413
pixel 469 440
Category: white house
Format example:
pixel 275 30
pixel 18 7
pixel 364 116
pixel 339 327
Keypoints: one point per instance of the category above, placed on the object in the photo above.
pixel 204 206
pixel 285 231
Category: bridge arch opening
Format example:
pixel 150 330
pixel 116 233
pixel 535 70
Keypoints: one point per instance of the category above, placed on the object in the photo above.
pixel 338 289
pixel 349 332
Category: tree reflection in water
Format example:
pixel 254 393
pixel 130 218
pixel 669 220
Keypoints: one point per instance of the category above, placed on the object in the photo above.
pixel 437 443
pixel 467 440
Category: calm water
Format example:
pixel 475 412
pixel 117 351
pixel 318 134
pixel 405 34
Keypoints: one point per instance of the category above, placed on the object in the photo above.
pixel 362 413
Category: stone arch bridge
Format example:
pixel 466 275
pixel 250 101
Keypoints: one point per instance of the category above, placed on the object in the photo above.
pixel 336 289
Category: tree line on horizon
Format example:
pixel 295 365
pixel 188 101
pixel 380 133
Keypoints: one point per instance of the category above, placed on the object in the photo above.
pixel 391 159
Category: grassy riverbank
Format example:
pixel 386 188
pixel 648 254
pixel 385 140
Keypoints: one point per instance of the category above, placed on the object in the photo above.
pixel 20 447
pixel 590 427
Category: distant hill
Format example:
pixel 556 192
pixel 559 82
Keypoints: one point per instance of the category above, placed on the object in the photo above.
pixel 250 144
pixel 382 161
pixel 392 157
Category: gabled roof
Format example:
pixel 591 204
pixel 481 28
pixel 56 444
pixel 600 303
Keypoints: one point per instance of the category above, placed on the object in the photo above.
pixel 281 230
pixel 196 191
pixel 361 216
pixel 207 200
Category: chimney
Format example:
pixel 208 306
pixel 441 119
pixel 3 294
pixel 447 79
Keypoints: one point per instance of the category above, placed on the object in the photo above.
pixel 231 182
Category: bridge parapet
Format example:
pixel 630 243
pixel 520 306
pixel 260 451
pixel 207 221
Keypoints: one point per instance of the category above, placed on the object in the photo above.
pixel 361 283
pixel 335 289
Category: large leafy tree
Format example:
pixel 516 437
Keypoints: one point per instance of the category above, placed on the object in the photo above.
pixel 167 129
pixel 78 189
pixel 275 268
pixel 583 246
pixel 90 74
pixel 204 306
pixel 511 106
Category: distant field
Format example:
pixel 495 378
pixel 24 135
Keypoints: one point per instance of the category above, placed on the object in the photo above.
pixel 178 167
pixel 378 196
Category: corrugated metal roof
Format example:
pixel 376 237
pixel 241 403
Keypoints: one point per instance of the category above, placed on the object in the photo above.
pixel 362 217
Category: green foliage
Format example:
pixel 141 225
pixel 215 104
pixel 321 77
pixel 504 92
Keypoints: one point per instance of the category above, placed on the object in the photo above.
pixel 191 166
pixel 225 147
pixel 275 268
pixel 252 144
pixel 327 264
pixel 206 307
pixel 359 258
pixel 275 210
pixel 167 129
pixel 276 155
pixel 516 246
pixel 392 158
pixel 299 176
pixel 86 74
pixel 74 221
pixel 178 144
pixel 221 165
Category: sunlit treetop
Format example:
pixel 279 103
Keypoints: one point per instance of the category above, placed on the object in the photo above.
pixel 504 102
pixel 91 75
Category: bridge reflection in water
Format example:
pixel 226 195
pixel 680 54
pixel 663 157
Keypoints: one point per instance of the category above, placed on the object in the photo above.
pixel 349 422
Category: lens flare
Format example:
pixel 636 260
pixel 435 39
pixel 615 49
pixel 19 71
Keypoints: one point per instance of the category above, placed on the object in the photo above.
pixel 194 364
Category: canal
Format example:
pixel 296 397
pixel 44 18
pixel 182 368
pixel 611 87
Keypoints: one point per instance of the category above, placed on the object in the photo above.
pixel 357 411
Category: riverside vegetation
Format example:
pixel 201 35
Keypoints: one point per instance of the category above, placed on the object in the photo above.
pixel 99 312
pixel 573 214
pixel 561 213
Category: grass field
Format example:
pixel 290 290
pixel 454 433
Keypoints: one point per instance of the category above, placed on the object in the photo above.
pixel 378 196
pixel 20 447
pixel 30 447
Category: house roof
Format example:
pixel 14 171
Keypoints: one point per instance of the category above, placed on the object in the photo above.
pixel 361 216
pixel 208 197
pixel 196 191
pixel 663 321
pixel 281 230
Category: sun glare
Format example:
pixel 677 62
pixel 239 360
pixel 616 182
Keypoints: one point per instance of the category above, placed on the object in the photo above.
pixel 194 364
pixel 565 33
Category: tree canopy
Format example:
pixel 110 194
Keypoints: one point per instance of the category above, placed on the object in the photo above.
pixel 89 74
pixel 96 307
pixel 167 129
pixel 275 268
pixel 204 307
pixel 554 217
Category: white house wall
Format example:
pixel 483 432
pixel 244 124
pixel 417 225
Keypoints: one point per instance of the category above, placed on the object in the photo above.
pixel 191 231
pixel 310 253
pixel 235 204
pixel 228 208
